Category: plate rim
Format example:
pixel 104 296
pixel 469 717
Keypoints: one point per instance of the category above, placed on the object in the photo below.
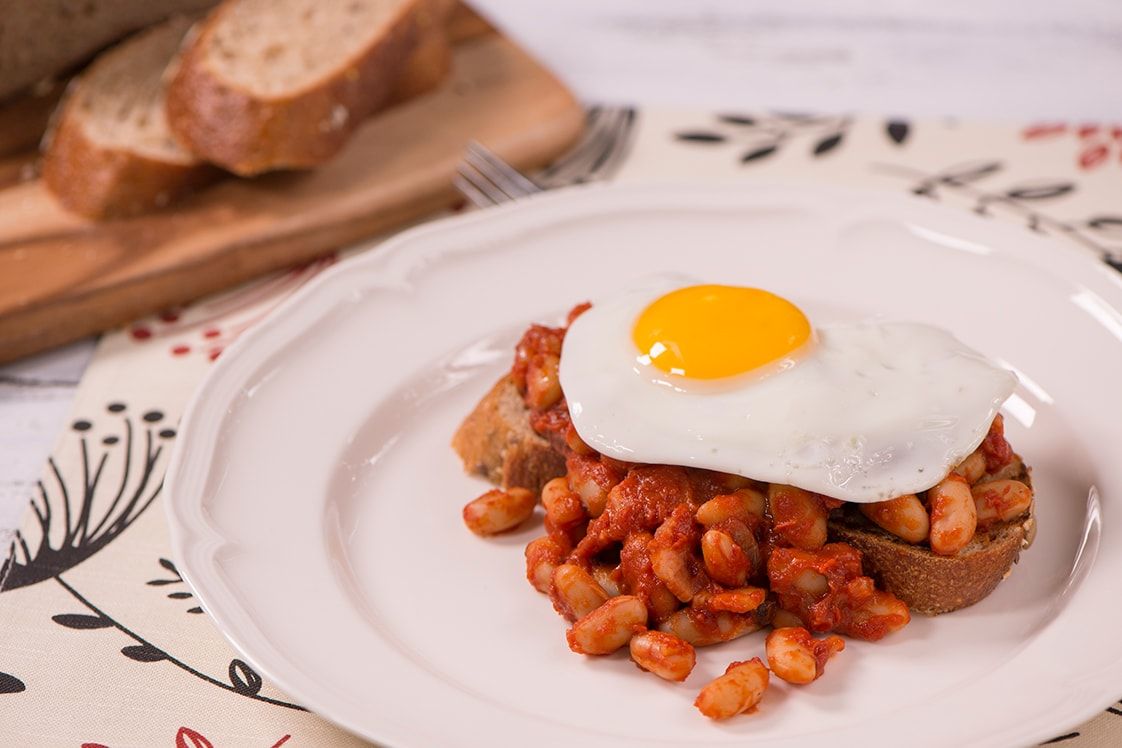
pixel 201 407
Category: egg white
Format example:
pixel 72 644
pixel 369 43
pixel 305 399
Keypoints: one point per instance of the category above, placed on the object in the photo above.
pixel 864 412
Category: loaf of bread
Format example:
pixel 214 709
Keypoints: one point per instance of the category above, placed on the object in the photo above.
pixel 279 85
pixel 43 38
pixel 110 152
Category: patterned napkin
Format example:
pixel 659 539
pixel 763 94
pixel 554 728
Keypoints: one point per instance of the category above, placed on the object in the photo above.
pixel 101 641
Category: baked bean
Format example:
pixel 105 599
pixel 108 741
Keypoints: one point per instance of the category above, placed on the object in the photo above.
pixel 903 516
pixel 800 518
pixel 742 600
pixel 878 615
pixel 726 562
pixel 702 628
pixel 575 443
pixel 537 340
pixel 497 511
pixel 592 481
pixel 953 515
pixel 738 690
pixel 663 654
pixel 575 593
pixel 797 657
pixel 543 385
pixel 810 582
pixel 564 512
pixel 672 559
pixel 733 482
pixel 609 627
pixel 1000 501
pixel 607 578
pixel 973 467
pixel 553 490
pixel 672 567
pixel 786 619
pixel 638 578
pixel 740 504
pixel 543 555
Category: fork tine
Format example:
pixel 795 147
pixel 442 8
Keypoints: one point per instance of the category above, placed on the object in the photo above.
pixel 472 193
pixel 502 174
pixel 605 143
pixel 477 187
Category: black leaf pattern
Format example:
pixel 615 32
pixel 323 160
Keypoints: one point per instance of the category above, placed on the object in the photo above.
pixel 195 609
pixel 167 564
pixel 1101 233
pixel 828 144
pixel 11 684
pixel 81 621
pixel 969 172
pixel 162 582
pixel 797 116
pixel 701 137
pixel 1044 191
pixel 244 679
pixel 179 595
pixel 143 653
pixel 1106 224
pixel 79 514
pixel 737 119
pixel 897 131
pixel 758 153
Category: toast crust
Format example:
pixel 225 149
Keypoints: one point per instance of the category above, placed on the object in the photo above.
pixel 104 179
pixel 496 442
pixel 248 134
pixel 431 61
pixel 99 182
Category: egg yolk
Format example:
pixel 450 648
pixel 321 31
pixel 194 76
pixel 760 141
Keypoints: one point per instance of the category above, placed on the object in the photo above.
pixel 713 331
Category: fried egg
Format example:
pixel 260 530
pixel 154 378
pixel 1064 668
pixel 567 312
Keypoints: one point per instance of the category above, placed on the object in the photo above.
pixel 737 379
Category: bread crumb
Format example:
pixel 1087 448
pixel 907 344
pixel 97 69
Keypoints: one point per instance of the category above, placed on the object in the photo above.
pixel 338 117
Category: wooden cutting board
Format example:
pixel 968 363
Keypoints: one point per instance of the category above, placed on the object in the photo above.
pixel 63 277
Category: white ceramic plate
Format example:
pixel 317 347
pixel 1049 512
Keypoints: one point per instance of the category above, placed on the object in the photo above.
pixel 315 503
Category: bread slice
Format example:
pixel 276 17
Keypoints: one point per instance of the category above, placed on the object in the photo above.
pixel 933 584
pixel 252 96
pixel 44 38
pixel 464 23
pixel 496 441
pixel 431 61
pixel 110 152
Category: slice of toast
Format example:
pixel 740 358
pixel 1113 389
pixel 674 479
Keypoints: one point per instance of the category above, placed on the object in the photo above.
pixel 496 441
pixel 933 584
pixel 109 151
pixel 251 96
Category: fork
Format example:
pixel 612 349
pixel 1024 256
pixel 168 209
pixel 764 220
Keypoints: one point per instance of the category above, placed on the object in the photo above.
pixel 486 180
